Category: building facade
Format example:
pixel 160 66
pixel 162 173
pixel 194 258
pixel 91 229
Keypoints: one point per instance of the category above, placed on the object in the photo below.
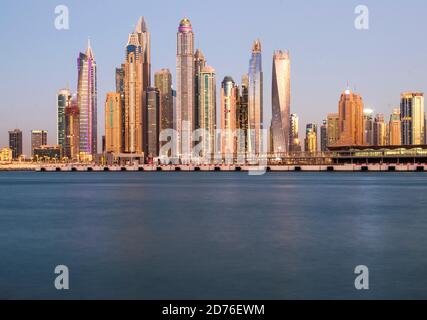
pixel 242 119
pixel 412 118
pixel 380 131
pixel 39 138
pixel 295 143
pixel 395 129
pixel 281 101
pixel 207 110
pixel 15 143
pixel 333 129
pixel 185 104
pixel 324 136
pixel 63 101
pixel 113 123
pixel 72 131
pixel 311 138
pixel 87 102
pixel 163 82
pixel 152 123
pixel 229 100
pixel 255 101
pixel 351 119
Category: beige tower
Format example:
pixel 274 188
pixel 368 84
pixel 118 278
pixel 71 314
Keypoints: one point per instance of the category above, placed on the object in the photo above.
pixel 351 119
pixel 113 123
pixel 229 99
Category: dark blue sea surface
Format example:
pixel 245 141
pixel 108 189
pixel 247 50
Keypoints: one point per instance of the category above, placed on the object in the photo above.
pixel 213 235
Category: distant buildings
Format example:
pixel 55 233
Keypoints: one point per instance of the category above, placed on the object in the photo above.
pixel 242 114
pixel 368 127
pixel 380 131
pixel 39 138
pixel 15 143
pixel 412 118
pixel 324 136
pixel 311 138
pixel 87 102
pixel 163 82
pixel 63 101
pixel 255 109
pixel 48 153
pixel 395 129
pixel 333 129
pixel 6 154
pixel 295 144
pixel 351 119
pixel 281 101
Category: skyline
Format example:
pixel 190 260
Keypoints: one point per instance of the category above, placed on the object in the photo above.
pixel 381 91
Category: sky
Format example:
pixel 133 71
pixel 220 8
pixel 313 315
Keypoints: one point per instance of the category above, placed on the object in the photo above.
pixel 327 51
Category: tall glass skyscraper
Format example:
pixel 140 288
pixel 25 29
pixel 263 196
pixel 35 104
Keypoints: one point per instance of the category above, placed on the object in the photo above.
pixel 15 143
pixel 281 101
pixel 242 116
pixel 255 116
pixel 152 123
pixel 87 102
pixel 199 64
pixel 63 101
pixel 72 130
pixel 185 106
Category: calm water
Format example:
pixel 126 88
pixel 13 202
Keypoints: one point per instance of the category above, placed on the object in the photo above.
pixel 213 235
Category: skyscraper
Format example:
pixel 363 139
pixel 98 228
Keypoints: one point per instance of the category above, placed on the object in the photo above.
pixel 72 130
pixel 229 98
pixel 412 117
pixel 199 65
pixel 333 129
pixel 351 119
pixel 295 144
pixel 163 81
pixel 281 101
pixel 324 136
pixel 207 109
pixel 185 106
pixel 120 88
pixel 63 101
pixel 15 143
pixel 311 138
pixel 255 114
pixel 242 116
pixel 134 96
pixel 38 139
pixel 368 127
pixel 380 133
pixel 152 122
pixel 395 128
pixel 87 102
pixel 113 123
pixel 144 37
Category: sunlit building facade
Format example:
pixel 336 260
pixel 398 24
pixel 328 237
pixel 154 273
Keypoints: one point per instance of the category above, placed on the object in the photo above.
pixel 351 122
pixel 311 138
pixel 295 143
pixel 113 123
pixel 333 129
pixel 324 136
pixel 229 99
pixel 380 131
pixel 72 130
pixel 38 139
pixel 412 118
pixel 255 108
pixel 152 123
pixel 163 82
pixel 395 129
pixel 281 101
pixel 87 102
pixel 207 109
pixel 185 73
pixel 63 101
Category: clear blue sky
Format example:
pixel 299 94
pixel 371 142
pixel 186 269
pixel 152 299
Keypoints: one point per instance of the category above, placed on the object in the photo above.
pixel 326 50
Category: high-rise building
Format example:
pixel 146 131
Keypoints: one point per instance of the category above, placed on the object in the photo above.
pixel 72 130
pixel 207 109
pixel 152 122
pixel 295 144
pixel 185 73
pixel 229 99
pixel 324 136
pixel 242 116
pixel 368 127
pixel 412 118
pixel 120 88
pixel 63 101
pixel 113 123
pixel 163 81
pixel 134 96
pixel 144 37
pixel 15 143
pixel 87 102
pixel 333 129
pixel 199 65
pixel 281 101
pixel 311 138
pixel 395 129
pixel 38 139
pixel 351 119
pixel 255 108
pixel 380 132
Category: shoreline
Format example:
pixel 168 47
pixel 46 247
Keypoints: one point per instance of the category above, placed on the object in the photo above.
pixel 215 168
